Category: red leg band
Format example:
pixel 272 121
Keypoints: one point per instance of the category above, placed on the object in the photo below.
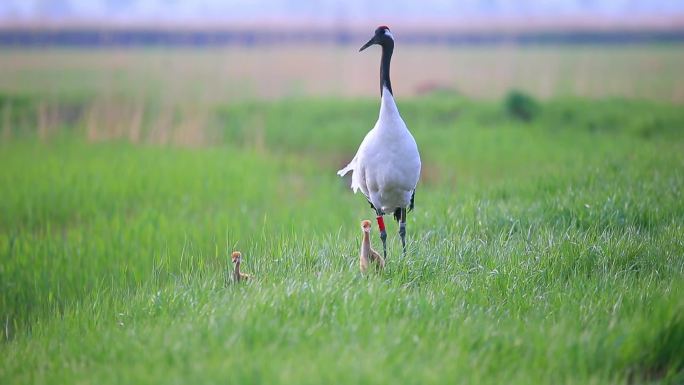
pixel 381 223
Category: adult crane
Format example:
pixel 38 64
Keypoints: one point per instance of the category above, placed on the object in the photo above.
pixel 386 166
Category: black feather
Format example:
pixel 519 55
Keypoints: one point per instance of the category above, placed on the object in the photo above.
pixel 412 199
pixel 397 214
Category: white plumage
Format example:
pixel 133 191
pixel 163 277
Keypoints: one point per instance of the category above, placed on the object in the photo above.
pixel 386 166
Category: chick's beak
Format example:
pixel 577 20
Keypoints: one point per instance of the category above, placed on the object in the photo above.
pixel 370 43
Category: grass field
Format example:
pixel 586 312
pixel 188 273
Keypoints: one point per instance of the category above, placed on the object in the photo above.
pixel 548 250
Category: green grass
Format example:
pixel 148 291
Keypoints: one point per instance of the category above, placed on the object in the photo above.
pixel 548 251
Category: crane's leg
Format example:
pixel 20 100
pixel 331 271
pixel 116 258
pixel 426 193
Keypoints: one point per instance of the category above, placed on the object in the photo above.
pixel 383 233
pixel 402 230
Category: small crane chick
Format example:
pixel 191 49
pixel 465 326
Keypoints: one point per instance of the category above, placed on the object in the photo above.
pixel 368 255
pixel 237 275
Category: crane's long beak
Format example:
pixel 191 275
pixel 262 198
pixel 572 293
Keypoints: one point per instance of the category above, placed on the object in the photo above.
pixel 370 43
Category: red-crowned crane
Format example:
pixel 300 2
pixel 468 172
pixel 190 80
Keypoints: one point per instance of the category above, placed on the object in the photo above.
pixel 386 166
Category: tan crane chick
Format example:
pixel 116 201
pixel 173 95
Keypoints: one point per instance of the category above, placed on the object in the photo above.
pixel 368 255
pixel 237 275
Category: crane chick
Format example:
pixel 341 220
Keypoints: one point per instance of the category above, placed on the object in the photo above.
pixel 237 275
pixel 368 255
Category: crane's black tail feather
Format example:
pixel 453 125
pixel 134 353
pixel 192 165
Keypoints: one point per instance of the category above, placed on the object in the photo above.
pixel 397 214
pixel 413 196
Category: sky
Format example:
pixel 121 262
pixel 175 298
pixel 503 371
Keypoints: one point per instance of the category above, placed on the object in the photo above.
pixel 327 11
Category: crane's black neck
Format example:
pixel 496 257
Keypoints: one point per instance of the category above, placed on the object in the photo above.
pixel 387 49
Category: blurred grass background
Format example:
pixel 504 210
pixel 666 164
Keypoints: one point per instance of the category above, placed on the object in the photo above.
pixel 221 75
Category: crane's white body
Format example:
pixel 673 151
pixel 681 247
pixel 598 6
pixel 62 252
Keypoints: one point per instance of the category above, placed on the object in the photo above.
pixel 386 166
